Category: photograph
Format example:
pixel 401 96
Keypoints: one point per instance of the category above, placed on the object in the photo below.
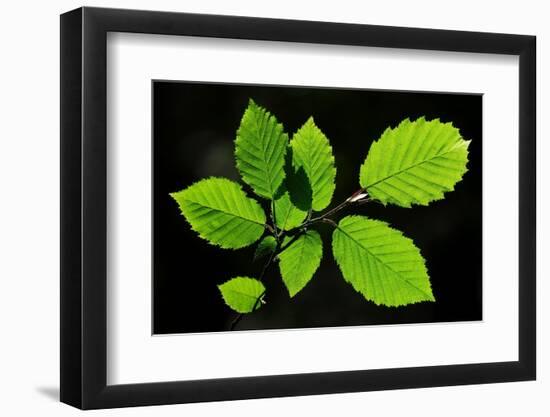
pixel 294 207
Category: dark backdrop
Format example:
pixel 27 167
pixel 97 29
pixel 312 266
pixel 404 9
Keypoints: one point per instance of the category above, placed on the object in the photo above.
pixel 193 134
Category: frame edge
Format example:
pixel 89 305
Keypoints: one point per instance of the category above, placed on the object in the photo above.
pixel 528 207
pixel 70 214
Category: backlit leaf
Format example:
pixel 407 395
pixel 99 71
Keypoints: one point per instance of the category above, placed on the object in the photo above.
pixel 380 263
pixel 220 212
pixel 260 150
pixel 266 246
pixel 312 152
pixel 293 200
pixel 299 261
pixel 287 215
pixel 242 294
pixel 415 163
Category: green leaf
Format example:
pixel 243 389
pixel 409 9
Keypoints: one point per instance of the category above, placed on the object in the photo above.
pixel 312 151
pixel 242 294
pixel 266 246
pixel 293 200
pixel 299 261
pixel 415 163
pixel 380 263
pixel 297 183
pixel 287 215
pixel 220 212
pixel 260 150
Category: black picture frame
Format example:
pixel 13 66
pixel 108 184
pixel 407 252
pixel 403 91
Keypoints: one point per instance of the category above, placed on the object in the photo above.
pixel 83 207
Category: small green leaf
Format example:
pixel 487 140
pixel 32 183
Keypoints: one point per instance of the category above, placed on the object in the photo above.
pixel 242 294
pixel 299 261
pixel 266 246
pixel 293 200
pixel 380 263
pixel 297 184
pixel 287 215
pixel 260 150
pixel 221 213
pixel 415 163
pixel 312 151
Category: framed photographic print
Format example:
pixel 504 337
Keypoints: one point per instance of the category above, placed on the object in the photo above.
pixel 256 208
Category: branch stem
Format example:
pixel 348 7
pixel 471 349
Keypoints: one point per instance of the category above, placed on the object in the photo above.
pixel 356 197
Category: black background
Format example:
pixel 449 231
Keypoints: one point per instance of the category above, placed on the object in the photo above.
pixel 194 127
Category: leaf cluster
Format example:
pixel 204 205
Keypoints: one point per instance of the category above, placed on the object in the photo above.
pixel 416 162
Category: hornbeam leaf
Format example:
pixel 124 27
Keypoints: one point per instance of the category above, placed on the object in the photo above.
pixel 297 184
pixel 260 150
pixel 415 163
pixel 380 263
pixel 220 212
pixel 242 294
pixel 266 247
pixel 287 215
pixel 293 199
pixel 299 261
pixel 312 151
